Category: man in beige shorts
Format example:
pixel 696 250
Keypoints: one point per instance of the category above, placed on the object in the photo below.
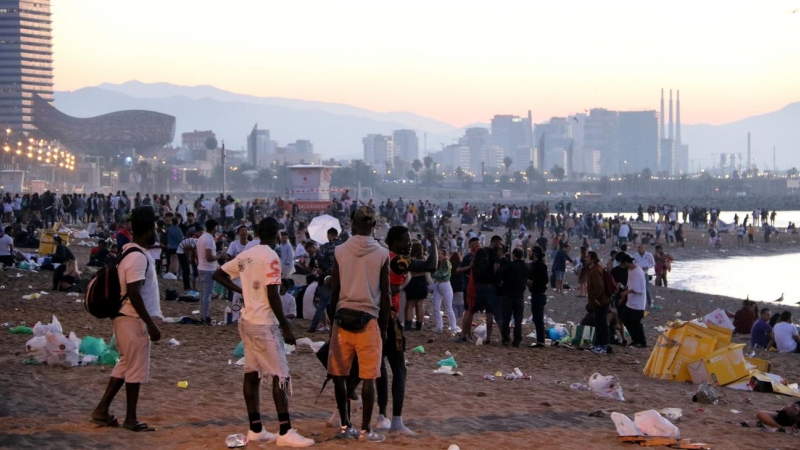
pixel 263 327
pixel 362 304
pixel 134 327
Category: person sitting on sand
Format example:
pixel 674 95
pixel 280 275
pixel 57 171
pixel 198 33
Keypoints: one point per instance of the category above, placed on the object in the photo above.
pixel 785 419
pixel 785 336
pixel 261 326
pixel 744 318
pixel 761 332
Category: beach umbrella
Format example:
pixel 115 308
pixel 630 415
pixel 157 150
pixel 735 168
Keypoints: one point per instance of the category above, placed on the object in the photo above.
pixel 319 226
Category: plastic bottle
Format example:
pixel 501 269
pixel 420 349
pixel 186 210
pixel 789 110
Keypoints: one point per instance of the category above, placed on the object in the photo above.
pixel 488 377
pixel 228 315
pixel 236 441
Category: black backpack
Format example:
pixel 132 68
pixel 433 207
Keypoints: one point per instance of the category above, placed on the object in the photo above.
pixel 103 294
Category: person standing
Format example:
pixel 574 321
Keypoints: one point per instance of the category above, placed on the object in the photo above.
pixel 484 266
pixel 324 271
pixel 560 266
pixel 597 301
pixel 513 277
pixel 537 284
pixel 6 247
pixel 207 263
pixel 287 256
pixel 633 300
pixel 663 264
pixel 362 308
pixel 645 261
pixel 263 328
pixel 443 291
pixel 134 327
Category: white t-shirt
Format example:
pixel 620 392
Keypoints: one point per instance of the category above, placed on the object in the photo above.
pixel 645 262
pixel 134 267
pixel 624 230
pixel 254 243
pixel 258 268
pixel 235 248
pixel 289 305
pixel 636 282
pixel 206 241
pixel 308 300
pixel 229 210
pixel 784 333
pixel 5 245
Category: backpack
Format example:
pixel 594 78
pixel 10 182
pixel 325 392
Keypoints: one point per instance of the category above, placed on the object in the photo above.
pixel 103 294
pixel 609 283
pixel 482 267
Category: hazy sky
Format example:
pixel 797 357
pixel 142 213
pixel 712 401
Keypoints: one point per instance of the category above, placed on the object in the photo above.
pixel 457 61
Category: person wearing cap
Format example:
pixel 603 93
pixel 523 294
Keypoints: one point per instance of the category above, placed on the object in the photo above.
pixel 633 300
pixel 362 308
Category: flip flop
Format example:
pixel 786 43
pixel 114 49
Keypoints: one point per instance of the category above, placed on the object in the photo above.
pixel 141 426
pixel 110 421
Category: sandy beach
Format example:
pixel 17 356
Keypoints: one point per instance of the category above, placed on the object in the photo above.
pixel 48 407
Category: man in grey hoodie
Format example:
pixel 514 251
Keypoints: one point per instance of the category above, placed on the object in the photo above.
pixel 362 305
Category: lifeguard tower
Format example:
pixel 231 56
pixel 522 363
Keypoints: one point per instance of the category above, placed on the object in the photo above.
pixel 311 186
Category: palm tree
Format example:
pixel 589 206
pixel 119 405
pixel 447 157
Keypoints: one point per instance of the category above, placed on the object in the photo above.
pixel 416 165
pixel 507 161
pixel 428 162
pixel 211 143
pixel 557 172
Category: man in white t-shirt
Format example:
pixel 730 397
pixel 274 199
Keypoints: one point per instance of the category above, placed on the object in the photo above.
pixel 230 208
pixel 260 327
pixel 6 247
pixel 645 261
pixel 785 336
pixel 207 262
pixel 287 256
pixel 287 300
pixel 139 285
pixel 633 300
pixel 624 231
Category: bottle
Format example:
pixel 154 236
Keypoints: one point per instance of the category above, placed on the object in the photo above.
pixel 228 315
pixel 236 441
pixel 488 377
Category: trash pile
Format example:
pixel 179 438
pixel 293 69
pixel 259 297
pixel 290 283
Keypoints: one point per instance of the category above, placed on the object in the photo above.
pixel 50 346
pixel 701 352
pixel 650 428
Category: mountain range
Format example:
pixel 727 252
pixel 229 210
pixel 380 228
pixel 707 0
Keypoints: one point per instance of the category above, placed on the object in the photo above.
pixel 336 129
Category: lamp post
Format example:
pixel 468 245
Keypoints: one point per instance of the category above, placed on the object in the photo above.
pixel 223 168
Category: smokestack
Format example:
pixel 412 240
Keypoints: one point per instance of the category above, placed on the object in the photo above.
pixel 663 130
pixel 748 151
pixel 670 115
pixel 678 120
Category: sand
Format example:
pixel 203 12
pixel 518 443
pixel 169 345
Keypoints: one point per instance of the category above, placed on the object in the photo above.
pixel 49 407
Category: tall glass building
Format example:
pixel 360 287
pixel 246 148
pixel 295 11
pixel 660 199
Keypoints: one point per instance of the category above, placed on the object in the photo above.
pixel 26 60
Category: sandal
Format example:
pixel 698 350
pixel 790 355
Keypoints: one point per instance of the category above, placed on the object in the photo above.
pixel 110 421
pixel 141 426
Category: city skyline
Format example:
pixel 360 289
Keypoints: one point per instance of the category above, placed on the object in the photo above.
pixel 609 56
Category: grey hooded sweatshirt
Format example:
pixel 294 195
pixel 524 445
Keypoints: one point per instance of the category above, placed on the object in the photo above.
pixel 360 260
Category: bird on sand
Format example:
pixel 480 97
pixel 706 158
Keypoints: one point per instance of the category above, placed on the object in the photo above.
pixel 780 299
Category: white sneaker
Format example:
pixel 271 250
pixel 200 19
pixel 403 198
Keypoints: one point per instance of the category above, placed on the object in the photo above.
pixel 264 436
pixel 382 423
pixel 371 436
pixel 292 439
pixel 437 330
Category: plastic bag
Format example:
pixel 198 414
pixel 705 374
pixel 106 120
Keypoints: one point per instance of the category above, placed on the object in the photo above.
pixel 315 346
pixel 62 349
pixel 706 395
pixel 54 327
pixel 606 387
pixel 651 423
pixel 480 332
pixel 21 330
pixel 625 426
pixel 239 350
pixel 109 357
pixel 91 345
pixel 448 362
pixel 37 349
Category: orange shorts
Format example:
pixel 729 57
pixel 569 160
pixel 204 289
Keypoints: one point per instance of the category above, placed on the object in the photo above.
pixel 345 345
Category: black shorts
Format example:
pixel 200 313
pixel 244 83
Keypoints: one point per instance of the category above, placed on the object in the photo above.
pixel 417 288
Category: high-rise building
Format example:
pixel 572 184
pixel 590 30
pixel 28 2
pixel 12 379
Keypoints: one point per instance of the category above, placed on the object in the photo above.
pixel 451 158
pixel 555 135
pixel 406 145
pixel 257 147
pixel 479 141
pixel 379 152
pixel 196 140
pixel 26 60
pixel 638 141
pixel 514 135
pixel 300 146
pixel 681 152
pixel 601 133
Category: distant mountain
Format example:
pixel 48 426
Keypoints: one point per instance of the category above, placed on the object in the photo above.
pixel 779 128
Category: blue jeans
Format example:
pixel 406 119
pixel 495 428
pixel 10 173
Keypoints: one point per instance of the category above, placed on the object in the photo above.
pixel 206 289
pixel 324 299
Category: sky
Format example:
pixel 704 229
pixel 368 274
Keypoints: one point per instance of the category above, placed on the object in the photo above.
pixel 457 61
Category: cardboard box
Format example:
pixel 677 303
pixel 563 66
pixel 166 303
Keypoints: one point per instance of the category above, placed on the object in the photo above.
pixel 762 365
pixel 721 334
pixel 721 367
pixel 677 346
pixel 693 347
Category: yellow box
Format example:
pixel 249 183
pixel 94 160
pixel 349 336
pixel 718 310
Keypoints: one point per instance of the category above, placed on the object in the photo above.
pixel 721 367
pixel 762 365
pixel 46 248
pixel 721 334
pixel 693 347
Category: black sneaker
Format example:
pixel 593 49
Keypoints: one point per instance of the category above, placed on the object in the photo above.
pixel 639 345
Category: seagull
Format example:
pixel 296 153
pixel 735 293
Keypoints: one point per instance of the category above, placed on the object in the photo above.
pixel 780 299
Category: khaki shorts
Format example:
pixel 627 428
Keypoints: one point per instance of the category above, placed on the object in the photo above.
pixel 133 344
pixel 345 345
pixel 264 351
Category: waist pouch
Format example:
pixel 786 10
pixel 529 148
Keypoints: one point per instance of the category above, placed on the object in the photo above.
pixel 351 319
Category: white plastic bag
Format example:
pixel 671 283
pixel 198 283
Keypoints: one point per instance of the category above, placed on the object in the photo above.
pixel 606 387
pixel 720 318
pixel 37 349
pixel 651 423
pixel 62 349
pixel 315 346
pixel 625 426
pixel 54 327
pixel 480 331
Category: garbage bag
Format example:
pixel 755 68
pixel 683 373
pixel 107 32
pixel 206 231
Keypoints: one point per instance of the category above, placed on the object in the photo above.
pixel 706 395
pixel 239 350
pixel 625 426
pixel 37 349
pixel 62 349
pixel 54 327
pixel 21 330
pixel 109 357
pixel 448 362
pixel 606 387
pixel 651 423
pixel 91 345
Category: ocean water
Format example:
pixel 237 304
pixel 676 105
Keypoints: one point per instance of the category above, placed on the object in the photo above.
pixel 781 220
pixel 762 278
